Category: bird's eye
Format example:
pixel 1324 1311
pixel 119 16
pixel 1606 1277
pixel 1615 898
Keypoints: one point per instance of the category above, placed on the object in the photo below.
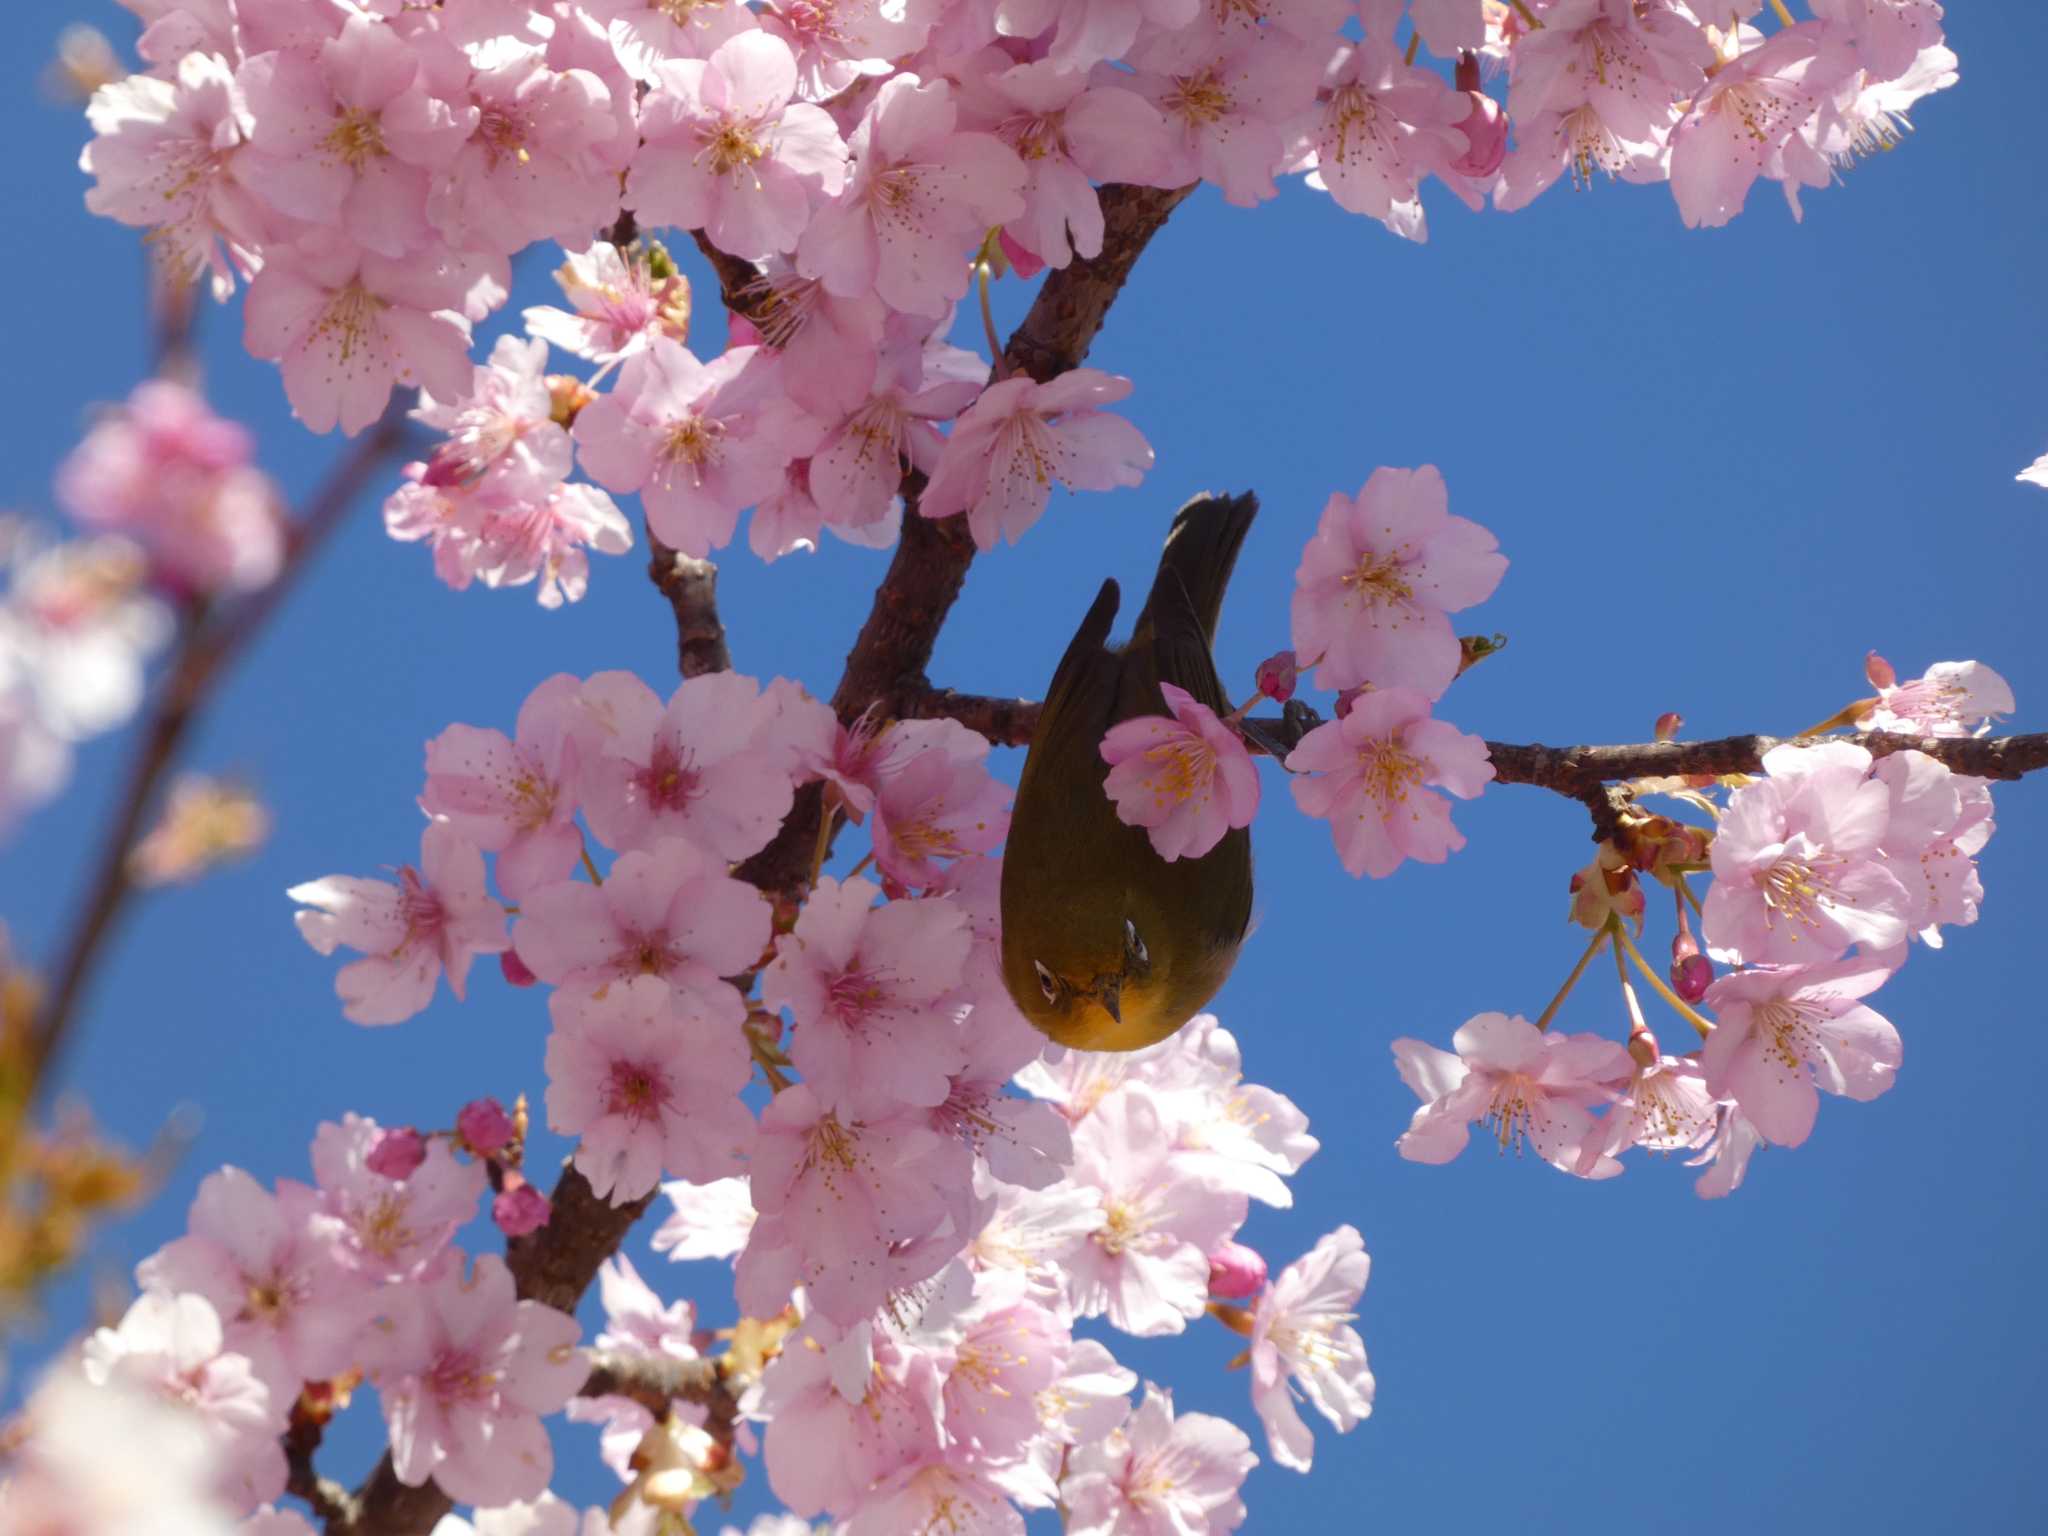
pixel 1133 945
pixel 1047 983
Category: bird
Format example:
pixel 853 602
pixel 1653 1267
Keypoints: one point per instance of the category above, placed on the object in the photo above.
pixel 1105 945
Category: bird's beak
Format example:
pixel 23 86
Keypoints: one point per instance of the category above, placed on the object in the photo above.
pixel 1109 993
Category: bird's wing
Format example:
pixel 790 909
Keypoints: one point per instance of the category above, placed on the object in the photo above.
pixel 1084 652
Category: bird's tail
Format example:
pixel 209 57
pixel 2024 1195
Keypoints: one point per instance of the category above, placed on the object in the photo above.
pixel 1201 547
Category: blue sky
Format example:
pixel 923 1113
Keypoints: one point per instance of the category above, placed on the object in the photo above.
pixel 1722 465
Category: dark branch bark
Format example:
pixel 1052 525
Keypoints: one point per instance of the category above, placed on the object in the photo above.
pixel 654 1383
pixel 691 587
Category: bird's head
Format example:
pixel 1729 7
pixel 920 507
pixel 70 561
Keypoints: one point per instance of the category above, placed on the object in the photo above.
pixel 1094 993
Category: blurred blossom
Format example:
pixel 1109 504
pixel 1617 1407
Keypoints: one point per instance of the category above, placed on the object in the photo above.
pixel 205 823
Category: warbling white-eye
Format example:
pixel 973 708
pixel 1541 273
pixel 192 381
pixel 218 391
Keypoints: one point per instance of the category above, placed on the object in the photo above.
pixel 1107 946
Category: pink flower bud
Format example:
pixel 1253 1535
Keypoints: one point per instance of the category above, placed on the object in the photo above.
pixel 515 969
pixel 1879 671
pixel 1486 133
pixel 1691 976
pixel 1021 261
pixel 1277 675
pixel 1643 1049
pixel 1349 697
pixel 484 1126
pixel 1668 725
pixel 397 1153
pixel 519 1208
pixel 1236 1271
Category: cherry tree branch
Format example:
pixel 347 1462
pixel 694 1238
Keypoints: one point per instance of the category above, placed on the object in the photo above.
pixel 691 587
pixel 207 647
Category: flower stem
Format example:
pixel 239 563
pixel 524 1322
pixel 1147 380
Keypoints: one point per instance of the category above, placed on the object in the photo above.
pixel 590 867
pixel 1684 1009
pixel 988 318
pixel 1572 980
pixel 1784 16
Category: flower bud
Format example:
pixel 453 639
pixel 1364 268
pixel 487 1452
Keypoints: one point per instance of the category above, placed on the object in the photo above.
pixel 1643 1049
pixel 567 395
pixel 1879 671
pixel 1485 128
pixel 397 1154
pixel 1606 887
pixel 1236 1271
pixel 520 1208
pixel 515 969
pixel 1349 697
pixel 1277 676
pixel 1691 977
pixel 1016 258
pixel 484 1127
pixel 1668 725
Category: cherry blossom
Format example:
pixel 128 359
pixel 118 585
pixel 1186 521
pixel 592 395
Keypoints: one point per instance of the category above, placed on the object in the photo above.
pixel 646 33
pixel 268 1265
pixel 707 766
pixel 464 1370
pixel 1727 1156
pixel 710 1221
pixel 163 159
pixel 618 301
pixel 1939 821
pixel 177 478
pixel 1797 872
pixel 1380 579
pixel 857 469
pixel 1366 773
pixel 1783 1031
pixel 517 798
pixel 1888 34
pixel 1525 1085
pixel 1303 1344
pixel 1667 1107
pixel 698 441
pixel 862 983
pixel 669 911
pixel 1228 97
pixel 1005 453
pixel 935 800
pixel 345 324
pixel 1186 779
pixel 391 1229
pixel 173 1345
pixel 501 429
pixel 919 199
pixel 650 1081
pixel 727 151
pixel 1952 698
pixel 1159 1473
pixel 435 919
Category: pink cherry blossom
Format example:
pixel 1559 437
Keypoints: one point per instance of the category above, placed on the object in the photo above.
pixel 1228 97
pixel 1523 1084
pixel 501 429
pixel 1147 1266
pixel 449 521
pixel 1797 872
pixel 858 469
pixel 519 1208
pixel 1888 35
pixel 1781 1032
pixel 617 305
pixel 173 1345
pixel 936 800
pixel 1746 122
pixel 270 1269
pixel 1625 67
pixel 669 911
pixel 435 919
pixel 1727 1156
pixel 1243 1136
pixel 1865 116
pixel 345 324
pixel 698 441
pixel 1367 775
pixel 398 1152
pixel 548 538
pixel 1069 131
pixel 849 1210
pixel 1303 1345
pixel 727 151
pixel 1667 1107
pixel 954 1494
pixel 1449 25
pixel 920 198
pixel 484 1126
pixel 862 983
pixel 517 798
pixel 163 159
pixel 710 1221
pixel 1380 579
pixel 829 344
pixel 708 767
pixel 1186 779
pixel 1939 822
pixel 1021 1142
pixel 1088 32
pixel 1382 125
pixel 1158 1474
pixel 177 478
pixel 647 33
pixel 1952 698
pixel 346 135
pixel 464 1374
pixel 539 164
pixel 1010 447
pixel 1235 1271
pixel 390 1229
pixel 650 1081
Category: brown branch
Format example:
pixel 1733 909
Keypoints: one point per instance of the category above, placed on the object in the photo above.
pixel 654 1383
pixel 1570 770
pixel 329 1500
pixel 205 650
pixel 691 587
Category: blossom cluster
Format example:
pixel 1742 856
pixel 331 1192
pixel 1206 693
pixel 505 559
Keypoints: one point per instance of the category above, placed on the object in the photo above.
pixel 940 1197
pixel 370 168
pixel 1824 870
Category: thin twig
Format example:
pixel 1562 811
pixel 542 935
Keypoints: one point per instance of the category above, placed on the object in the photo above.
pixel 204 652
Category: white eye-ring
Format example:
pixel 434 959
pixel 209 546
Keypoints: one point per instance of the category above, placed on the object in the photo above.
pixel 1047 983
pixel 1133 945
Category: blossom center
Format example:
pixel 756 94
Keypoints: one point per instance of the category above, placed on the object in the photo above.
pixel 669 780
pixel 504 132
pixel 382 1229
pixel 1794 890
pixel 1182 770
pixel 638 1090
pixel 457 1376
pixel 419 908
pixel 1515 1111
pixel 1378 579
pixel 693 443
pixel 350 315
pixel 855 994
pixel 1350 130
pixel 1124 1225
pixel 1786 1032
pixel 732 148
pixel 1198 99
pixel 1389 772
pixel 356 138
